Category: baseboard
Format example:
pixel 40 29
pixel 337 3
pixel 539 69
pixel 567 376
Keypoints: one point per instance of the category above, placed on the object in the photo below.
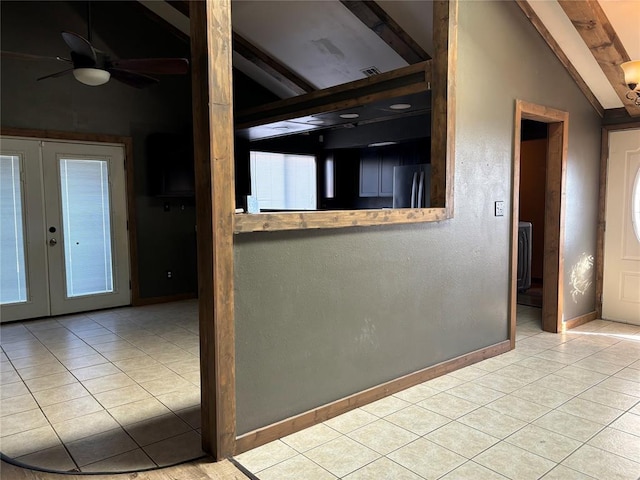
pixel 139 302
pixel 581 320
pixel 307 419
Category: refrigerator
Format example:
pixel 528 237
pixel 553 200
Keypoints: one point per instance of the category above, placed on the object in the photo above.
pixel 412 186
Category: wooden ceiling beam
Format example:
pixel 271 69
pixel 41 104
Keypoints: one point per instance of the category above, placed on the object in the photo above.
pixel 559 53
pixel 270 65
pixel 374 17
pixel 595 29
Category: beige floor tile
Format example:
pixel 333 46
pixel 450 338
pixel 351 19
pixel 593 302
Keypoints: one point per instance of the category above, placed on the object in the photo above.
pixel 115 346
pixel 541 364
pixel 609 398
pixel 123 354
pixel 50 381
pixel 418 420
pixel 148 374
pixel 569 425
pixel 183 447
pixel 382 436
pixel 13 390
pixel 192 377
pixel 350 421
pixel 581 375
pixel 628 373
pixel 95 371
pixel 501 383
pixel 448 405
pixel 192 416
pixel 477 394
pixel 99 339
pixel 136 363
pixel 492 422
pixel 310 437
pixel 444 383
pixel 128 461
pixel 85 426
pixel 628 422
pixel 560 357
pixel 561 384
pixel 514 462
pixel 598 365
pixel 69 409
pixel 342 456
pixel 417 393
pixel 107 383
pixel 187 397
pixel 156 429
pixel 42 370
pixel 427 459
pixel 18 404
pixel 122 396
pixel 602 465
pixel 472 471
pixel 20 422
pixel 83 362
pixel 590 411
pixel 386 406
pixel 191 364
pixel 543 396
pixel 60 394
pixel 266 456
pixel 9 377
pixel 167 384
pixel 98 447
pixel 521 373
pixel 622 386
pixel 381 469
pixel 292 468
pixel 618 442
pixel 55 458
pixel 545 443
pixel 463 440
pixel 29 441
pixel 138 411
pixel 560 472
pixel 468 373
pixel 519 408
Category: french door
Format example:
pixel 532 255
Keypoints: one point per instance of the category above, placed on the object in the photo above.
pixel 63 228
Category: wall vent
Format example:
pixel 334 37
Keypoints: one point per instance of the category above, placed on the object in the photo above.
pixel 371 71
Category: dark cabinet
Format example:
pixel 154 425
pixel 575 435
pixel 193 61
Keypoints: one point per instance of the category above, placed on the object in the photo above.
pixel 376 173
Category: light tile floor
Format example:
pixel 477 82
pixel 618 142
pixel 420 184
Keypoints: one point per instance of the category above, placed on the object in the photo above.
pixel 558 407
pixel 114 390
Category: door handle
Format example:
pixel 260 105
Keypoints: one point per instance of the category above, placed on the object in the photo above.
pixel 53 242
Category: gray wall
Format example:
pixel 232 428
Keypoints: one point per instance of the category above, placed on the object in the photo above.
pixel 324 314
pixel 166 240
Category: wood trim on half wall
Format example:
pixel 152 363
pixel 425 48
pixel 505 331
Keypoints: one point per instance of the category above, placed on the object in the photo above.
pixel 553 269
pixel 307 419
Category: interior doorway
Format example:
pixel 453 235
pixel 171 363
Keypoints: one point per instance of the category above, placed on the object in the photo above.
pixel 556 124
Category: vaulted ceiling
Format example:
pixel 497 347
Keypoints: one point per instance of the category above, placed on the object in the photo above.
pixel 295 47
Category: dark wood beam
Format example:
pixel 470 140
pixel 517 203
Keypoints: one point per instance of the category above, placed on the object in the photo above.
pixel 181 5
pixel 374 17
pixel 270 65
pixel 162 22
pixel 555 48
pixel 595 29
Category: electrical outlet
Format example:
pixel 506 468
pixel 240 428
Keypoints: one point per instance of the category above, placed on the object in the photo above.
pixel 499 208
pixel 169 274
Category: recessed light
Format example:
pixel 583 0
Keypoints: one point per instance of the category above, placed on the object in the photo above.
pixel 316 121
pixel 381 144
pixel 349 115
pixel 400 106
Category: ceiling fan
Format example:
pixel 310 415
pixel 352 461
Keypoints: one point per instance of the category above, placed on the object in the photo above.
pixel 94 67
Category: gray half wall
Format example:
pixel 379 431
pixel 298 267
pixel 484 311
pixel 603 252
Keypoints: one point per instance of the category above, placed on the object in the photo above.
pixel 324 314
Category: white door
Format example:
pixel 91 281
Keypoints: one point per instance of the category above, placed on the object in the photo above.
pixel 621 283
pixel 74 234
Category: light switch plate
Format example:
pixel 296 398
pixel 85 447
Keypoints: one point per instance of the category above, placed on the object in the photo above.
pixel 499 208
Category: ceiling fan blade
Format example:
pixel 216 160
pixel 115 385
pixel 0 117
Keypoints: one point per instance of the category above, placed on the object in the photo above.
pixel 154 66
pixel 58 74
pixel 79 45
pixel 28 56
pixel 132 79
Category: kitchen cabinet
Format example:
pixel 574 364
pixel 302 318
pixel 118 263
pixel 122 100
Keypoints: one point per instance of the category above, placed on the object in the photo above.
pixel 376 173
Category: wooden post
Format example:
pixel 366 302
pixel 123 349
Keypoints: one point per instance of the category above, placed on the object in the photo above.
pixel 213 152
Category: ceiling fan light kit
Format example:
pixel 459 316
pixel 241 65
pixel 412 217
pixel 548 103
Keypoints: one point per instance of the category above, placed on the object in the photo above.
pixel 91 76
pixel 632 79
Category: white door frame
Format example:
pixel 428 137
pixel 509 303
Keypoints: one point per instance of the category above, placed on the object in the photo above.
pixel 602 206
pixel 127 144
